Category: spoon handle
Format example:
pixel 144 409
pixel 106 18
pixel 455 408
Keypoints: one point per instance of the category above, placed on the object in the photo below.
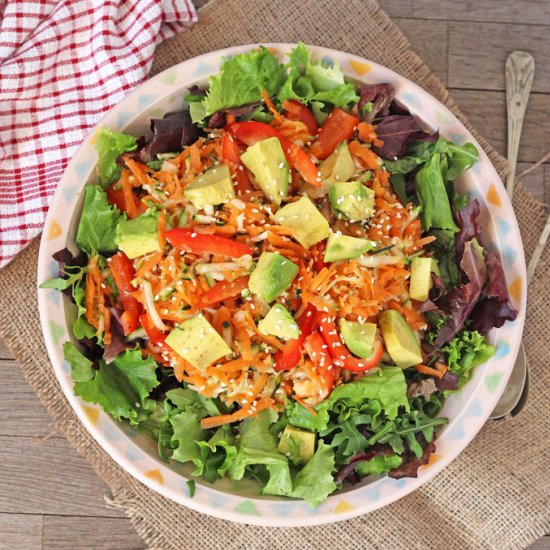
pixel 538 251
pixel 520 70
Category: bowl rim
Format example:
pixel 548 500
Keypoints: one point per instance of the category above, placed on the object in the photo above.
pixel 401 489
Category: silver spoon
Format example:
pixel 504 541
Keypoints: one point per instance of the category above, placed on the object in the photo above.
pixel 520 70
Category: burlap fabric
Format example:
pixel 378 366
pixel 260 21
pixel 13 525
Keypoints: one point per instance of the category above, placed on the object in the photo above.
pixel 495 495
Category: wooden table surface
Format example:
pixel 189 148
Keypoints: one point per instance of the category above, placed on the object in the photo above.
pixel 49 496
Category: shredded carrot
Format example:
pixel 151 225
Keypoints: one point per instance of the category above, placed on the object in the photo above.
pixel 367 134
pixel 148 264
pixel 441 367
pixel 429 371
pixel 129 198
pixel 241 414
pixel 89 302
pixel 258 386
pixel 368 157
pixel 269 104
pixel 238 364
pixel 246 349
pixel 161 228
pixel 139 171
pixel 420 243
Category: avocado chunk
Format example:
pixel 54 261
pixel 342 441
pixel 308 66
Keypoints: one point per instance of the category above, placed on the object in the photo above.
pixel 298 445
pixel 138 236
pixel 272 275
pixel 279 322
pixel 213 187
pixel 421 278
pixel 351 200
pixel 197 341
pixel 338 166
pixel 401 342
pixel 267 161
pixel 342 247
pixel 358 337
pixel 308 224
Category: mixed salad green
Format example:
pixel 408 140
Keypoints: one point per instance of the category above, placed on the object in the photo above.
pixel 281 282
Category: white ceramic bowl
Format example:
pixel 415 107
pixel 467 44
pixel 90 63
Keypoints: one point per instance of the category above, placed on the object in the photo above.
pixel 240 501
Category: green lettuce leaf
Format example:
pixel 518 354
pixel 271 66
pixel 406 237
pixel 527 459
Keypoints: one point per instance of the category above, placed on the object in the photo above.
pixel 444 251
pixel 81 327
pixel 109 146
pixel 461 157
pixel 464 352
pixel 241 80
pixel 256 444
pixel 217 454
pixel 378 465
pixel 279 480
pixel 81 367
pixel 314 482
pixel 187 399
pixel 386 389
pixel 73 279
pixel 97 227
pixel 402 434
pixel 347 438
pixel 418 152
pixel 73 275
pixel 187 433
pixel 432 195
pixel 122 387
pixel 315 82
pixel 339 97
pixel 191 408
pixel 212 455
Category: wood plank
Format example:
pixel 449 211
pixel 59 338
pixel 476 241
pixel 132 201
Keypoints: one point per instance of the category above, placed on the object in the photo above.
pixel 4 351
pixel 433 51
pixel 547 185
pixel 74 533
pixel 477 52
pixel 486 110
pixel 533 12
pixel 21 412
pixel 397 8
pixel 541 544
pixel 534 181
pixel 20 531
pixel 48 477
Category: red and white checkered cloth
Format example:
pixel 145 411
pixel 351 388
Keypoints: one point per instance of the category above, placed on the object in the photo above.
pixel 63 64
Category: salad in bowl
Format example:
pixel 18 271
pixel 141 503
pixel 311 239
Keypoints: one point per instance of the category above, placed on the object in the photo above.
pixel 282 282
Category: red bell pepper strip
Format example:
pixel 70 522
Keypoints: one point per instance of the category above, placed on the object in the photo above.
pixel 338 350
pixel 338 127
pixel 251 132
pixel 231 155
pixel 222 291
pixel 155 335
pixel 116 197
pixel 318 253
pixel 360 365
pixel 189 240
pixel 290 356
pixel 317 350
pixel 123 273
pixel 294 110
